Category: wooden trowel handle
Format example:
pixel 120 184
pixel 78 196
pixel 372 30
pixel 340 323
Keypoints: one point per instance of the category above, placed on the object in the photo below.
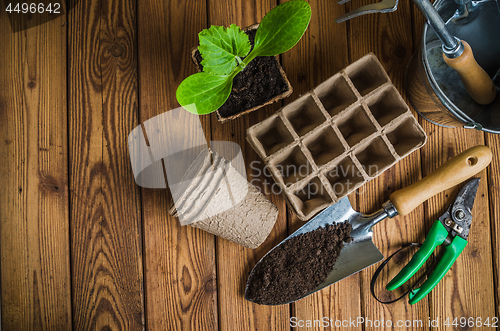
pixel 453 172
pixel 475 79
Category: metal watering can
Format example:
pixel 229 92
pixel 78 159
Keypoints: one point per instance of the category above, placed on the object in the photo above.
pixel 446 83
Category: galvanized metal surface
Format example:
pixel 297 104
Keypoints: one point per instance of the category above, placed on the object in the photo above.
pixel 478 23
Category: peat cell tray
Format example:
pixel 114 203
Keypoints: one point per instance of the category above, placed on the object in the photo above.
pixel 345 132
pixel 271 135
pixel 324 145
pixel 291 165
pixel 404 137
pixel 335 94
pixel 312 198
pixel 387 105
pixel 355 125
pixel 344 177
pixel 304 115
pixel 375 157
pixel 366 75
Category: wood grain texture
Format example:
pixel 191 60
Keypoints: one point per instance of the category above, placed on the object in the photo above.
pixel 73 251
pixel 34 227
pixel 467 289
pixel 322 52
pixel 105 202
pixel 448 175
pixel 493 140
pixel 181 283
pixel 389 37
pixel 234 262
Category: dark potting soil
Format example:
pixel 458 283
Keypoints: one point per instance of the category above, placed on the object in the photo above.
pixel 258 83
pixel 297 266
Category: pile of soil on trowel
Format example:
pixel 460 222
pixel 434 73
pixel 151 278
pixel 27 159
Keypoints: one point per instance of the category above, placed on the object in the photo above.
pixel 297 266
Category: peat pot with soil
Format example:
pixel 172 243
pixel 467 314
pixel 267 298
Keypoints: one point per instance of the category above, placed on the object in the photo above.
pixel 238 69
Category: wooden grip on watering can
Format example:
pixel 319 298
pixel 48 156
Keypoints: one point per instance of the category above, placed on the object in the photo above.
pixel 453 172
pixel 475 79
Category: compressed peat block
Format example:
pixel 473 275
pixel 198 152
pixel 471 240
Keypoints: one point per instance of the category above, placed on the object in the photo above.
pixel 221 201
pixel 329 142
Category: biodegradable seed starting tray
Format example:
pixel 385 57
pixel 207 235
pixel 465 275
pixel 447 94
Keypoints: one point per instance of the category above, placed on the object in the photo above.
pixel 329 142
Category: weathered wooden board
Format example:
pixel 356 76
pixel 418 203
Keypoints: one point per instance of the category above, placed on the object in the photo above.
pixel 34 204
pixel 105 214
pixel 180 280
pixel 83 247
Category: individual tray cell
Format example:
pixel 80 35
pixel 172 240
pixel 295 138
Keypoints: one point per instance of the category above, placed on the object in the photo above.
pixel 344 177
pixel 304 115
pixel 367 74
pixel 272 135
pixel 312 197
pixel 292 165
pixel 386 106
pixel 335 94
pixel 406 137
pixel 375 157
pixel 355 125
pixel 324 145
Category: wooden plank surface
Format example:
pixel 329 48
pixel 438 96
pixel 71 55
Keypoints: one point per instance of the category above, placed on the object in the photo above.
pixel 82 246
pixel 105 211
pixel 180 279
pixel 34 227
pixel 234 262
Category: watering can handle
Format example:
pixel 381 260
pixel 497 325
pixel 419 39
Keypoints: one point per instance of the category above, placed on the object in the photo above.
pixel 475 79
pixel 455 171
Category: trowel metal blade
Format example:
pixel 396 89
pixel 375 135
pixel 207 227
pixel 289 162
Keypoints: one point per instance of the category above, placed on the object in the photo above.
pixel 354 257
pixel 357 255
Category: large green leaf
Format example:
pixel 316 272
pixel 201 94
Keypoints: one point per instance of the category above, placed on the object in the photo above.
pixel 203 93
pixel 282 28
pixel 220 47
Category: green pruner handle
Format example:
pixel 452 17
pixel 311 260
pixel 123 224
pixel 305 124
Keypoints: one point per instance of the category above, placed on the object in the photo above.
pixel 436 237
pixel 451 253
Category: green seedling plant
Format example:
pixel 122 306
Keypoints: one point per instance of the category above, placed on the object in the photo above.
pixel 227 51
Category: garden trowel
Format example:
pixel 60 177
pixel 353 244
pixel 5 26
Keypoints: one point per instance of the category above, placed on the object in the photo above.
pixel 361 252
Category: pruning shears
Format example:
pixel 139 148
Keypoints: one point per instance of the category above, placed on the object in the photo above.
pixel 451 230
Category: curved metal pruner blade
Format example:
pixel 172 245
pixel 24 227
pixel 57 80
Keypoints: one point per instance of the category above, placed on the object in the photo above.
pixel 458 217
